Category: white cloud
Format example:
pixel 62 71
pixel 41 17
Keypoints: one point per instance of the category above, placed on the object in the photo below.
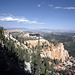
pixel 58 7
pixel 68 8
pixel 39 5
pixel 15 19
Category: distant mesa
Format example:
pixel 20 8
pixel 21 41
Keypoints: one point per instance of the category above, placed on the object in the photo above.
pixel 14 31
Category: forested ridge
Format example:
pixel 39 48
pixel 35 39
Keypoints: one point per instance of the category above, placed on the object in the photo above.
pixel 10 63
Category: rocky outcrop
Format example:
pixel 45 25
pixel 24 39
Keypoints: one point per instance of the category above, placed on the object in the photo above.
pixel 34 43
pixel 49 50
pixel 28 35
pixel 56 52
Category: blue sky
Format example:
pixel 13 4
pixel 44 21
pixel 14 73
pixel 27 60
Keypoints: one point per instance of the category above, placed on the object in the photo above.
pixel 38 14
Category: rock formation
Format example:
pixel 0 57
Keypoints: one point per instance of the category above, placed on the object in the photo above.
pixel 15 31
pixel 57 52
pixel 48 50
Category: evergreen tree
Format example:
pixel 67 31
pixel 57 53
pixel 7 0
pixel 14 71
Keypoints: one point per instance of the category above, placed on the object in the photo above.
pixel 1 33
pixel 38 68
pixel 33 61
pixel 17 37
pixel 27 56
pixel 51 68
pixel 46 64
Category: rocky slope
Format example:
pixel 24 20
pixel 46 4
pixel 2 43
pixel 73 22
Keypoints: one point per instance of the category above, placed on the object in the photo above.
pixel 57 52
pixel 9 63
pixel 49 50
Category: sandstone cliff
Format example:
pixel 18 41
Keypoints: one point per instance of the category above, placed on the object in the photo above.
pixel 57 52
pixel 49 50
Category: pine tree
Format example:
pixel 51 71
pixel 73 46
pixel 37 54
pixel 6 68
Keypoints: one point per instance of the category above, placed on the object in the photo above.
pixel 33 61
pixel 51 68
pixel 27 56
pixel 38 67
pixel 1 33
pixel 38 59
pixel 46 64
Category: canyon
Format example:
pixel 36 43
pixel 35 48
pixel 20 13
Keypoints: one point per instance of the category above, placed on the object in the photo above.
pixel 51 51
pixel 48 49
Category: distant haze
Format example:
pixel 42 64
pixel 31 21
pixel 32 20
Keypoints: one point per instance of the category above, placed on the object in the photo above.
pixel 43 30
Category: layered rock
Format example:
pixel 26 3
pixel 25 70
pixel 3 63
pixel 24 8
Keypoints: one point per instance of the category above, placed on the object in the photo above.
pixel 49 50
pixel 56 52
pixel 34 43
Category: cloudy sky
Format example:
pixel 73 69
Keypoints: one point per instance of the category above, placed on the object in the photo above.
pixel 38 14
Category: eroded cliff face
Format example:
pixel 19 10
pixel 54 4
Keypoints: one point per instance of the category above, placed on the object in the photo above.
pixel 49 50
pixel 57 52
